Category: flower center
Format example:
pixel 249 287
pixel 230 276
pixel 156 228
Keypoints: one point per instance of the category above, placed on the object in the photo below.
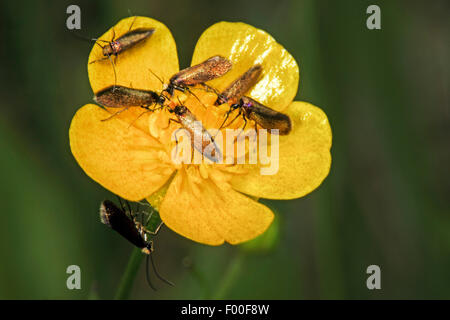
pixel 189 126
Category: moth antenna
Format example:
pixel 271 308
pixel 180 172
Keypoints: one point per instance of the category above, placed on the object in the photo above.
pixel 115 74
pixel 225 120
pixel 149 216
pixel 79 36
pixel 156 76
pixel 134 121
pixel 190 91
pixel 98 44
pixel 229 123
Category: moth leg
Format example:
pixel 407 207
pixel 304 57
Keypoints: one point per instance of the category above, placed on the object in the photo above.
pixel 208 88
pixel 154 233
pixel 226 118
pixel 239 113
pixel 121 204
pixel 173 120
pixel 132 215
pixel 156 271
pixel 242 130
pixel 147 109
pixel 101 59
pixel 195 96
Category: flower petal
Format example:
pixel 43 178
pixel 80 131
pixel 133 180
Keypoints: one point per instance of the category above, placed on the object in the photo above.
pixel 120 157
pixel 304 158
pixel 197 209
pixel 157 53
pixel 247 46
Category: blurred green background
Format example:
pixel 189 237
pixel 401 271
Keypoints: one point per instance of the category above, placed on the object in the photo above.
pixel 385 201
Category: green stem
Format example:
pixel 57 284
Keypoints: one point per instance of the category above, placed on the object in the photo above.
pixel 230 276
pixel 126 283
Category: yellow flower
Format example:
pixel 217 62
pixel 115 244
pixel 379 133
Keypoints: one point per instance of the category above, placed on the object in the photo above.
pixel 207 203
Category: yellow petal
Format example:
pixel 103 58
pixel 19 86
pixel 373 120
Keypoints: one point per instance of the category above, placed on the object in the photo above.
pixel 157 53
pixel 304 158
pixel 247 46
pixel 120 157
pixel 197 209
